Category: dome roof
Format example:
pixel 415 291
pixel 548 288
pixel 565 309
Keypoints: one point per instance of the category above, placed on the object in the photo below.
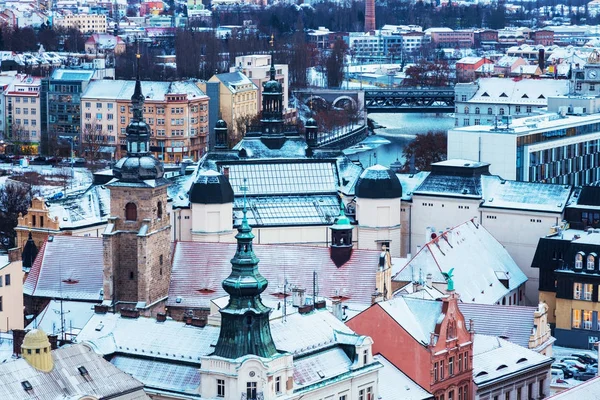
pixel 272 87
pixel 36 339
pixel 221 124
pixel 139 128
pixel 378 182
pixel 311 122
pixel 211 187
pixel 137 169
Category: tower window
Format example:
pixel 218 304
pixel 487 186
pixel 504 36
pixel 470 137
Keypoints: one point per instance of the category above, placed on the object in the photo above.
pixel 131 275
pixel 220 388
pixel 130 212
pixel 159 211
pixel 160 260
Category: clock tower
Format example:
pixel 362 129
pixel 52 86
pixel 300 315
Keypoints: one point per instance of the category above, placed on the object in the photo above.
pixel 589 83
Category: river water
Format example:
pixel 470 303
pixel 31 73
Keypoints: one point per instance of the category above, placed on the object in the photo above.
pixel 398 130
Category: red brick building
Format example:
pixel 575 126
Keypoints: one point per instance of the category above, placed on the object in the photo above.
pixel 425 339
pixel 543 37
pixel 466 67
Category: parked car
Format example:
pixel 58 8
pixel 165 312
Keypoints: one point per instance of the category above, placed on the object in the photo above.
pixel 556 374
pixel 584 376
pixel 568 371
pixel 592 368
pixel 585 358
pixel 573 363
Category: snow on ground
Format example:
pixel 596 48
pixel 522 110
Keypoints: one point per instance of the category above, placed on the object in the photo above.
pixel 82 177
pixel 559 352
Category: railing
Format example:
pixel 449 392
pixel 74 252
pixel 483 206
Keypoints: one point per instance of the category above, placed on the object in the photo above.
pixel 259 396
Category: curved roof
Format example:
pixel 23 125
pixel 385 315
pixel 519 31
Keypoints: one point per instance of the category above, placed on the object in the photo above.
pixel 211 187
pixel 378 182
pixel 137 169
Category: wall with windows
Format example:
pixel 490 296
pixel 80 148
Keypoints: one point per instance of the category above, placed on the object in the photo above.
pixel 11 296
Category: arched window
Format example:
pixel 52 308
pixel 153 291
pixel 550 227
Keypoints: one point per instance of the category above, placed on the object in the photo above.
pixel 466 110
pixel 579 260
pixel 130 212
pixel 490 112
pixel 476 110
pixel 501 110
pixel 159 210
pixel 590 262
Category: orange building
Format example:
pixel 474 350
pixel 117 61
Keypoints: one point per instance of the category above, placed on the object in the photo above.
pixel 177 113
pixel 427 340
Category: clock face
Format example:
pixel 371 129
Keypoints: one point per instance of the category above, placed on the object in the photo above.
pixel 592 74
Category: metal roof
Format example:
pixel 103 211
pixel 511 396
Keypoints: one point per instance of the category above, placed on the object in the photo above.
pixel 103 380
pixel 199 268
pixel 67 267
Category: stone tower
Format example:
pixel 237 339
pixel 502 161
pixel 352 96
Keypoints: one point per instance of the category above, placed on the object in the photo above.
pixel 245 325
pixel 369 15
pixel 272 110
pixel 137 245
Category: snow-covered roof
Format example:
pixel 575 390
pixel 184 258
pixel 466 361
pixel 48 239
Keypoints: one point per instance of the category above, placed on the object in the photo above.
pixel 394 384
pixel 72 75
pixel 87 208
pixel 153 90
pixel 495 359
pixel 477 258
pixel 74 313
pixel 417 316
pixel 469 60
pixel 236 81
pixel 524 91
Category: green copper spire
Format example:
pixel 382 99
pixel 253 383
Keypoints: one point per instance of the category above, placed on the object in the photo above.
pixel 245 325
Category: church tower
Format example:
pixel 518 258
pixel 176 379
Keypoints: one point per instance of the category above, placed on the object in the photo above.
pixel 245 328
pixel 272 110
pixel 137 245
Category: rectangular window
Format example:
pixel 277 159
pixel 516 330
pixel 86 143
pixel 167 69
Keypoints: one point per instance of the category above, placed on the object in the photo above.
pixel 343 397
pixel 451 395
pixel 1 309
pixel 109 117
pixel 541 394
pixel 361 394
pixel 251 390
pixel 7 279
pixel 577 290
pixel 98 105
pixel 88 105
pixel 517 108
pixel 460 357
pixel 519 394
pixel 109 106
pixel 220 388
pixel 435 372
pixel 529 109
pixel 451 366
pixel 576 319
pixel 466 361
pixel 277 384
pixel 587 291
pixel 442 370
pixel 587 319
pixel 122 109
pixel 365 356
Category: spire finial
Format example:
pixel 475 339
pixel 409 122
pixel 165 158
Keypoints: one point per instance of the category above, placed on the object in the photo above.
pixel 272 70
pixel 244 189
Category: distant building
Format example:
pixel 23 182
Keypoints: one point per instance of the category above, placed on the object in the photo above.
pixel 104 43
pixel 177 113
pixel 23 110
pixel 488 100
pixel 11 287
pixel 446 37
pixel 86 23
pixel 466 67
pixel 237 98
pixel 256 68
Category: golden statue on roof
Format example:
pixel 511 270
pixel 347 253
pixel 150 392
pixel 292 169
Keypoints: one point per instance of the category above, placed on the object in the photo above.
pixel 594 57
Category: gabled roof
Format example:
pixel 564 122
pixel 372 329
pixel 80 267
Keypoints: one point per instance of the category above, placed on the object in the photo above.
pixel 232 80
pixel 394 384
pixel 199 268
pixel 67 267
pixel 65 380
pixel 513 323
pixel 515 89
pixel 418 317
pixel 477 258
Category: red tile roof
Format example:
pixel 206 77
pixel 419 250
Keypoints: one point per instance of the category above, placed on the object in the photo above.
pixel 199 268
pixel 68 267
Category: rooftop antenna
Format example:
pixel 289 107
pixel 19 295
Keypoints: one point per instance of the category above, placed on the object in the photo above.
pixel 244 189
pixel 314 287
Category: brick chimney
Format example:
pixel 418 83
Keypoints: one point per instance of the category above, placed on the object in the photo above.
pixel 18 336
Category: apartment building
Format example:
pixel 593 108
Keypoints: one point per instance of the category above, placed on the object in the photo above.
pixel 95 23
pixel 256 68
pixel 22 110
pixel 447 37
pixel 238 98
pixel 177 113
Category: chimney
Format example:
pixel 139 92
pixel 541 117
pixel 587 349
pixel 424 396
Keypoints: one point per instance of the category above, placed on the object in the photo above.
pixel 188 319
pixel 320 304
pixel 429 280
pixel 100 309
pixel 18 336
pixel 161 317
pixel 129 313
pixel 337 310
pixel 53 339
pixel 298 296
pixel 199 322
pixel 305 309
pixel 376 297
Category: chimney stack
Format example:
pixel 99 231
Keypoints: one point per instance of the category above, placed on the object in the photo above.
pixel 298 297
pixel 429 280
pixel 337 309
pixel 53 339
pixel 18 336
pixel 369 15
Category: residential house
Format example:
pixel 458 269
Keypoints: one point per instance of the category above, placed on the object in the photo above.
pixel 102 43
pixel 466 67
pixel 505 65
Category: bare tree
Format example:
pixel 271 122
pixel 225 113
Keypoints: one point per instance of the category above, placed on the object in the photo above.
pixel 15 198
pixel 94 142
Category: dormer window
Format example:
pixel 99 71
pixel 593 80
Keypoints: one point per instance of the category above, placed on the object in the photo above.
pixel 590 262
pixel 579 260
